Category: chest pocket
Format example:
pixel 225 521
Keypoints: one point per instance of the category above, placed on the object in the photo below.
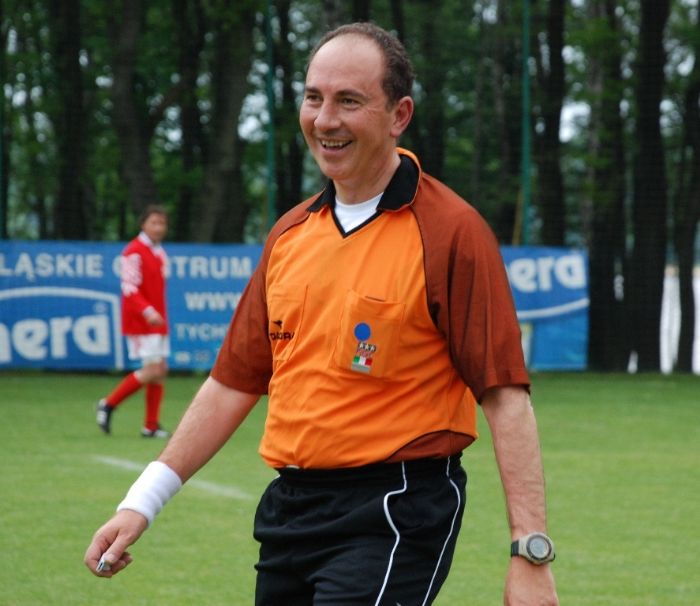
pixel 368 341
pixel 285 308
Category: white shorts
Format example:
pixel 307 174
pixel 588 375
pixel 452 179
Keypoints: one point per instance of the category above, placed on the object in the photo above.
pixel 148 348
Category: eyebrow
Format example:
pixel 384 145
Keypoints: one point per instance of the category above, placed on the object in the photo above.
pixel 346 92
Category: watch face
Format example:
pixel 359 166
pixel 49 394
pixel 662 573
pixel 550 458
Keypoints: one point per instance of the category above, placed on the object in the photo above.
pixel 538 548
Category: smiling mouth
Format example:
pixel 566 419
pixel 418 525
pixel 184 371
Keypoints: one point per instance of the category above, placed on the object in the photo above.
pixel 326 144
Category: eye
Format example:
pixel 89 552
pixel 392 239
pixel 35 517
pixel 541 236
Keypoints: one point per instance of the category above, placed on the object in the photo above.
pixel 349 102
pixel 310 97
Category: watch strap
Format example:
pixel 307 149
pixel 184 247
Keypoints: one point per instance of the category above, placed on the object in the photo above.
pixel 514 548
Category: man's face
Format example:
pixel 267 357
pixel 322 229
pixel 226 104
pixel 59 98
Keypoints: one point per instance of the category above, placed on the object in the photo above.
pixel 345 118
pixel 155 227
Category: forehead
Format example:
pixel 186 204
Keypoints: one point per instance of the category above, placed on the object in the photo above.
pixel 348 60
pixel 155 218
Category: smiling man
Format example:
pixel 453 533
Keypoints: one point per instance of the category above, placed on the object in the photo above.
pixel 379 316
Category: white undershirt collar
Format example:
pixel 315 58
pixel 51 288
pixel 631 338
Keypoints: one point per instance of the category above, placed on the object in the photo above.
pixel 351 215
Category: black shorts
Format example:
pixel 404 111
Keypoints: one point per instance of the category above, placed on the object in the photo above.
pixel 381 534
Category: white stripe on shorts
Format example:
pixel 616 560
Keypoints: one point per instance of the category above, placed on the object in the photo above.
pixel 452 529
pixel 393 527
pixel 397 534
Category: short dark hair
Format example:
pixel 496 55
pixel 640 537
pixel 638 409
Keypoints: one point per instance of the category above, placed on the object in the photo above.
pixel 399 73
pixel 152 209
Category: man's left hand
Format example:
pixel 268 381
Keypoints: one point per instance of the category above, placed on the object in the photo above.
pixel 529 585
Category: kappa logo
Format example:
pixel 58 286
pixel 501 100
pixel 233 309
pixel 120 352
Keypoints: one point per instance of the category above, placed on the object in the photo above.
pixel 280 335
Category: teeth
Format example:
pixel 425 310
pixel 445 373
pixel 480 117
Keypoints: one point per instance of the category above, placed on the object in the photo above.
pixel 334 144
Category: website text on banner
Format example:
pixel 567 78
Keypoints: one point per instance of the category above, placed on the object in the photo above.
pixel 59 303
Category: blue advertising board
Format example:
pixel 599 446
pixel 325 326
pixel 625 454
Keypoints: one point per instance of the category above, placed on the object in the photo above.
pixel 550 288
pixel 59 303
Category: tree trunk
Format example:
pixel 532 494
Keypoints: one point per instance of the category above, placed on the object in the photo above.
pixel 687 216
pixel 507 110
pixel 36 197
pixel 332 15
pixel 397 19
pixel 290 154
pixel 224 205
pixel 133 131
pixel 433 106
pixel 551 78
pixel 607 334
pixel 190 41
pixel 649 215
pixel 361 10
pixel 4 131
pixel 69 211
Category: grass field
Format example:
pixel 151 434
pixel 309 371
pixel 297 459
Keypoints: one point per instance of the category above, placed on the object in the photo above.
pixel 622 460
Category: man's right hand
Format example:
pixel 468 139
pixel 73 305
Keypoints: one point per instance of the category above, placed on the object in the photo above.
pixel 111 541
pixel 153 318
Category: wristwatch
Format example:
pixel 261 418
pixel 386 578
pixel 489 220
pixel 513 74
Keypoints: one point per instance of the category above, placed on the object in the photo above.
pixel 535 547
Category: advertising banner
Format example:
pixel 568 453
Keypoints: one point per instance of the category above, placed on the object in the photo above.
pixel 550 288
pixel 60 303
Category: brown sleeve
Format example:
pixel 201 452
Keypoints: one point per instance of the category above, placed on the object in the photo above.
pixel 468 291
pixel 244 361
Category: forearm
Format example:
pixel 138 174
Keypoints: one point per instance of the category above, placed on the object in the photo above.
pixel 513 428
pixel 211 419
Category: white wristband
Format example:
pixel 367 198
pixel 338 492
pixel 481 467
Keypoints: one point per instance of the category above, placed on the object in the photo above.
pixel 152 490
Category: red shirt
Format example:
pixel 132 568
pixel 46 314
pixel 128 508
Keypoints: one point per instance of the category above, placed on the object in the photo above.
pixel 143 286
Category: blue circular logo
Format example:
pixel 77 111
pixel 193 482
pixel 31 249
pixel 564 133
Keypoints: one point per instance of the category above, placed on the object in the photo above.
pixel 362 331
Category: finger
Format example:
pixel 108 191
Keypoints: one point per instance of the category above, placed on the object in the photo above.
pixel 105 552
pixel 115 553
pixel 94 552
pixel 107 567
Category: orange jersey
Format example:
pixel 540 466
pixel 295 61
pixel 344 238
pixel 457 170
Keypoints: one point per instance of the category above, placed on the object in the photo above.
pixel 373 344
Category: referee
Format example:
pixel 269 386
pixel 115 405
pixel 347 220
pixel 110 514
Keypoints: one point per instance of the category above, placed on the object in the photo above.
pixel 378 318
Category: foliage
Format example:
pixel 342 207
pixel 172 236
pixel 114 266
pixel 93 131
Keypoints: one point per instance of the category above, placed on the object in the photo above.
pixel 183 116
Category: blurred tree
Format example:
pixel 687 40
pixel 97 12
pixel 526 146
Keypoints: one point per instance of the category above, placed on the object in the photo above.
pixel 190 30
pixel 223 205
pixel 110 106
pixel 290 155
pixel 550 100
pixel 133 117
pixel 69 120
pixel 427 129
pixel 649 210
pixel 607 348
pixel 497 112
pixel 30 153
pixel 4 140
pixel 686 212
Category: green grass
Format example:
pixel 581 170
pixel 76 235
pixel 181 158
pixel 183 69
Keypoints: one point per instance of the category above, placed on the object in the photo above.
pixel 622 460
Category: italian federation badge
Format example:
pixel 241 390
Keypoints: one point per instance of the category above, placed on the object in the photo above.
pixel 364 354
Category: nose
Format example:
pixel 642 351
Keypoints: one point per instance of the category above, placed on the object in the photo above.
pixel 327 117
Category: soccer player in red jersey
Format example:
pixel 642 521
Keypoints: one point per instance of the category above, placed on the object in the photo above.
pixel 144 323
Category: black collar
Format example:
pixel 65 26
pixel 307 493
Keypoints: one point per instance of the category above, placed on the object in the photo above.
pixel 400 192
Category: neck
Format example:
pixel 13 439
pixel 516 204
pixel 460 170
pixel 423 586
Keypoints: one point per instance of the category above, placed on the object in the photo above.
pixel 354 193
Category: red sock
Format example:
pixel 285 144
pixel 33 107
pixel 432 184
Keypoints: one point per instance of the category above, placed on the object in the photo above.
pixel 128 386
pixel 154 396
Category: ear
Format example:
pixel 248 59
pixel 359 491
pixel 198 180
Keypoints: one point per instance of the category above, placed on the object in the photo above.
pixel 403 112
